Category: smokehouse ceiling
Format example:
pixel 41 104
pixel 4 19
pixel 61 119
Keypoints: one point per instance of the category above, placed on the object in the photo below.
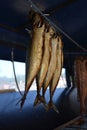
pixel 68 17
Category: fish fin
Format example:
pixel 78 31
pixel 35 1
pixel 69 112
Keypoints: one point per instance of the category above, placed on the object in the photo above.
pixel 18 102
pixel 37 100
pixel 52 105
pixel 21 101
pixel 43 101
pixel 40 99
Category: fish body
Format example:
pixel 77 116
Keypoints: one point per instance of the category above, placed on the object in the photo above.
pixel 35 55
pixel 35 58
pixel 44 65
pixel 52 65
pixel 83 90
pixel 81 82
pixel 58 69
pixel 78 74
pixel 57 74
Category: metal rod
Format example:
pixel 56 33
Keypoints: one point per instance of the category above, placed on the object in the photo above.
pixel 75 53
pixel 13 45
pixel 77 127
pixel 32 5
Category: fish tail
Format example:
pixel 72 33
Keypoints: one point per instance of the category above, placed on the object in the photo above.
pixel 37 100
pixel 40 99
pixel 43 100
pixel 21 101
pixel 52 105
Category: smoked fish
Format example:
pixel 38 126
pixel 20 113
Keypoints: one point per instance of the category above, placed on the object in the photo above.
pixel 44 65
pixel 78 75
pixel 57 73
pixel 52 65
pixel 35 57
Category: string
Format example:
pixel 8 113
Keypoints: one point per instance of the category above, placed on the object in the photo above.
pixel 12 57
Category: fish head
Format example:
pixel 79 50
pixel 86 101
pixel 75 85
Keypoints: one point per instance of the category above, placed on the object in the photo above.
pixel 37 20
pixel 52 31
pixel 49 29
pixel 60 43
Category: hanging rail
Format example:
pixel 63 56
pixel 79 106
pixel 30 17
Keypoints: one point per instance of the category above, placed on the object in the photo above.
pixel 34 7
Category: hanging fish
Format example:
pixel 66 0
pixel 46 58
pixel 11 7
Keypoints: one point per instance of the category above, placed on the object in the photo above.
pixel 57 73
pixel 35 55
pixel 44 65
pixel 78 73
pixel 52 65
pixel 83 87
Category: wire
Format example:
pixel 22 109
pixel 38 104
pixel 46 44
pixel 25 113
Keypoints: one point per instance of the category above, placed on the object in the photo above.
pixel 32 5
pixel 77 127
pixel 12 57
pixel 75 53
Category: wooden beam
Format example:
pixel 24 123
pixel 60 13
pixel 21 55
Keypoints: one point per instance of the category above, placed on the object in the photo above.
pixel 9 38
pixel 15 30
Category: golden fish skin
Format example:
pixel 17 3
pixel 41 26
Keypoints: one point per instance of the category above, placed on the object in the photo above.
pixel 58 69
pixel 46 58
pixel 35 58
pixel 44 65
pixel 37 19
pixel 56 75
pixel 52 64
pixel 36 54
